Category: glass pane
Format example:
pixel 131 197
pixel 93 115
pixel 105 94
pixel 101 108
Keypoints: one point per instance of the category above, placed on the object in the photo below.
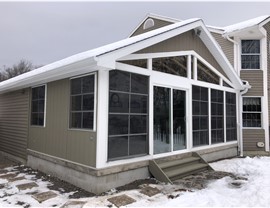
pixel 205 74
pixel 118 124
pixel 76 120
pixel 140 62
pixel 88 120
pixel 118 147
pixel 34 119
pixel 138 145
pixel 138 124
pixel 76 86
pixel 171 65
pixel 41 106
pixel 88 84
pixel 88 102
pixel 119 102
pixel 250 46
pixel 41 92
pixel 139 104
pixel 161 120
pixel 179 122
pixel 35 106
pixel 40 119
pixel 34 93
pixel 119 81
pixel 139 84
pixel 76 103
pixel 250 61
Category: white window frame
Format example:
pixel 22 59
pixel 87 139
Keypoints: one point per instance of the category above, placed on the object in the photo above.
pixel 255 54
pixel 95 103
pixel 45 107
pixel 244 127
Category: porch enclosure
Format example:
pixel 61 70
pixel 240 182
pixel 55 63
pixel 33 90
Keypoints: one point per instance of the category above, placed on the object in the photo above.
pixel 168 103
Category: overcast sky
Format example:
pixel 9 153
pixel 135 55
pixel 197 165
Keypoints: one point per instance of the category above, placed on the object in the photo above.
pixel 49 31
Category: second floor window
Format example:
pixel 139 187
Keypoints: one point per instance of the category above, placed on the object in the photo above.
pixel 250 57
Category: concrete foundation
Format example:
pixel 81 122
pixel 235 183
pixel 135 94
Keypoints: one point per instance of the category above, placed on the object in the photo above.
pixel 88 181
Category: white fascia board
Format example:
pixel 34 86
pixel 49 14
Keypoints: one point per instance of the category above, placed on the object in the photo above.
pixel 40 76
pixel 108 60
pixel 219 55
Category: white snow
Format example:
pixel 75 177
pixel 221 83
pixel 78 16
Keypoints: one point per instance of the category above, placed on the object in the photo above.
pixel 245 24
pixel 218 193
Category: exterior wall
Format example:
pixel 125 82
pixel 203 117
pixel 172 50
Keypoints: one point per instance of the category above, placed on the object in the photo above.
pixel 226 46
pixel 158 24
pixel 251 137
pixel 14 122
pixel 255 79
pixel 185 42
pixel 56 139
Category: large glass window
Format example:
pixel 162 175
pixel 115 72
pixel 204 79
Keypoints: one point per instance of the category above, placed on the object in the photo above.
pixel 205 74
pixel 82 96
pixel 128 115
pixel 252 112
pixel 38 106
pixel 231 129
pixel 217 118
pixel 172 65
pixel 200 116
pixel 250 58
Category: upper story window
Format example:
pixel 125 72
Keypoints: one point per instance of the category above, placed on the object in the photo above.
pixel 252 111
pixel 38 106
pixel 82 99
pixel 250 57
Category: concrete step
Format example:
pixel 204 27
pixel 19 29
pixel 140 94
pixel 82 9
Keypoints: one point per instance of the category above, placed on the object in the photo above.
pixel 188 170
pixel 178 162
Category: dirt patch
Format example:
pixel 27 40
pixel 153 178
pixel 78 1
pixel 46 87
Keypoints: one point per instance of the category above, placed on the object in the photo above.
pixel 137 184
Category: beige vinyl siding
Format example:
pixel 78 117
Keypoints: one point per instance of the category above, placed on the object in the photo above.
pixel 226 46
pixel 251 137
pixel 157 24
pixel 14 107
pixel 255 79
pixel 267 27
pixel 56 138
pixel 185 42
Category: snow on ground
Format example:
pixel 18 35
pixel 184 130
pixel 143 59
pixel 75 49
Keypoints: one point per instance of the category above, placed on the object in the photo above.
pixel 219 193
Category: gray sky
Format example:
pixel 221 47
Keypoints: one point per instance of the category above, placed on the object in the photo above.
pixel 49 31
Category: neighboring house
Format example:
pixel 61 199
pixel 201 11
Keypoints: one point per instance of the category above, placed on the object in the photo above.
pixel 97 118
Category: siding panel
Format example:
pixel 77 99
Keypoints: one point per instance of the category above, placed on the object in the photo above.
pixel 255 79
pixel 185 42
pixel 251 137
pixel 226 46
pixel 55 138
pixel 14 109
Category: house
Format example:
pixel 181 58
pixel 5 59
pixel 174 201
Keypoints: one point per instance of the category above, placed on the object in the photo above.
pixel 173 87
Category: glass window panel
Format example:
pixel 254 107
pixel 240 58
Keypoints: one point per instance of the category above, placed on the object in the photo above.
pixel 196 93
pixel 41 92
pixel 250 46
pixel 204 94
pixel 35 106
pixel 88 102
pixel 161 120
pixel 41 106
pixel 138 145
pixel 88 84
pixel 34 118
pixel 76 120
pixel 119 81
pixel 139 104
pixel 251 112
pixel 205 74
pixel 40 119
pixel 231 116
pixel 119 102
pixel 138 124
pixel 140 62
pixel 76 87
pixel 88 120
pixel 204 108
pixel 118 124
pixel 76 103
pixel 196 107
pixel 117 147
pixel 34 93
pixel 139 84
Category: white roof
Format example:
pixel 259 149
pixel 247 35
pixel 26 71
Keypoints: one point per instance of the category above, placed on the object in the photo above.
pixel 245 24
